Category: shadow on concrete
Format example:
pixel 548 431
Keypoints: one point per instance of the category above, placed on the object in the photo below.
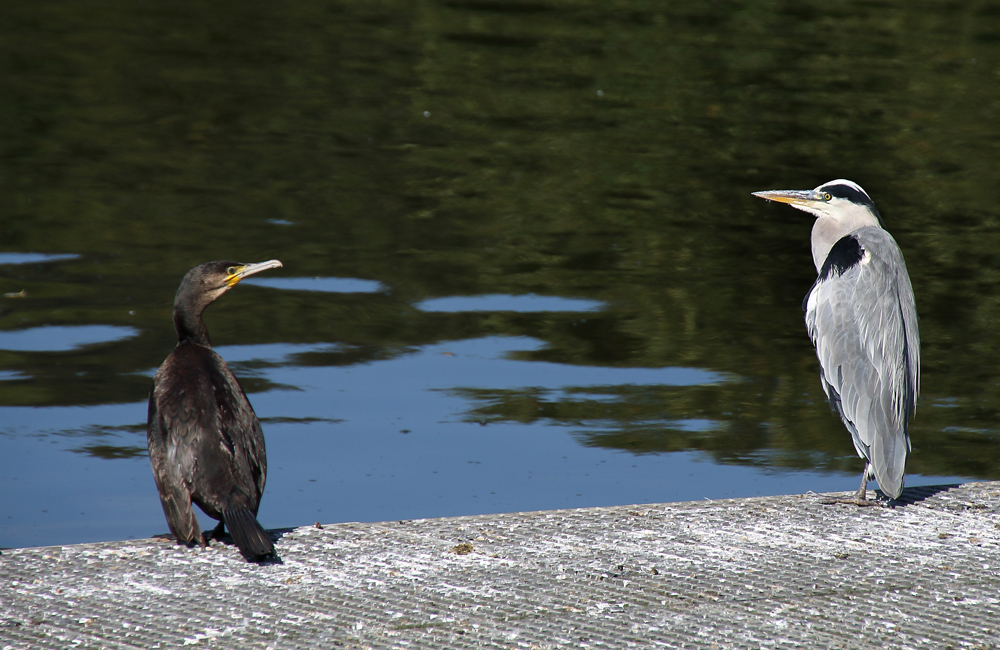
pixel 914 495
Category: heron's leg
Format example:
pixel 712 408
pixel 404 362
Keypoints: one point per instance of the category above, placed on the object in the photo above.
pixel 860 498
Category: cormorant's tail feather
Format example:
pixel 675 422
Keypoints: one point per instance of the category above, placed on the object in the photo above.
pixel 252 540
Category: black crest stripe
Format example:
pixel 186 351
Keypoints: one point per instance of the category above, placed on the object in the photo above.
pixel 852 194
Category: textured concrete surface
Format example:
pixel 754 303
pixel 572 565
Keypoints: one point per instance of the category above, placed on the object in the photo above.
pixel 769 572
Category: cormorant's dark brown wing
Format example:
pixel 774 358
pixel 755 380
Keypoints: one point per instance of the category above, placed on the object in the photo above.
pixel 168 472
pixel 208 445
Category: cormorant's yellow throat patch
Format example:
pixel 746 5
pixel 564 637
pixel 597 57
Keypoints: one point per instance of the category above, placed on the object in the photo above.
pixel 234 275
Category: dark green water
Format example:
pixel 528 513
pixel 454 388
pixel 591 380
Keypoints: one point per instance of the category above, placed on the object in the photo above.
pixel 590 150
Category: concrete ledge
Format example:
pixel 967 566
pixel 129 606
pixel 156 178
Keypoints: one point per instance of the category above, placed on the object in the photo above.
pixel 740 573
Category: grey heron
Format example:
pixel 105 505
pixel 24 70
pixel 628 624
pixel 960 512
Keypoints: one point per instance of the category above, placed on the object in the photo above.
pixel 861 316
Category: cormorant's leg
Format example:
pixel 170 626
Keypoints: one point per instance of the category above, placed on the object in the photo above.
pixel 218 531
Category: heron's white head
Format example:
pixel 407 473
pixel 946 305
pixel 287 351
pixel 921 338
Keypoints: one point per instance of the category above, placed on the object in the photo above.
pixel 840 208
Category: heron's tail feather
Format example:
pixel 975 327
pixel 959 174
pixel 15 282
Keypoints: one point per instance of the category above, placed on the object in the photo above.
pixel 252 540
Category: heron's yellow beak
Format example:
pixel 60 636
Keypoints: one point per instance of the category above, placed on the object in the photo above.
pixel 792 197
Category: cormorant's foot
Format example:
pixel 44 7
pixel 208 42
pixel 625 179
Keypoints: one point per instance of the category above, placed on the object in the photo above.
pixel 267 558
pixel 216 533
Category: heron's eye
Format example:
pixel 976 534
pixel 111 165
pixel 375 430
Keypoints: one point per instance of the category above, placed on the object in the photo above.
pixel 826 196
pixel 231 270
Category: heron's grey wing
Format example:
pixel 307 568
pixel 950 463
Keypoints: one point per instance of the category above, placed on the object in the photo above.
pixel 862 318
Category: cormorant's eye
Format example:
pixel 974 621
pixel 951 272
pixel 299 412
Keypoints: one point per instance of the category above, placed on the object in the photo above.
pixel 231 270
pixel 826 196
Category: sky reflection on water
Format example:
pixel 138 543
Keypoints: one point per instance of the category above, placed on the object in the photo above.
pixel 378 441
pixel 32 258
pixel 524 304
pixel 328 285
pixel 55 338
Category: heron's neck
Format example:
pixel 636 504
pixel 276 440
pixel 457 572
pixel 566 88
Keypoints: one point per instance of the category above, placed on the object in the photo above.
pixel 827 231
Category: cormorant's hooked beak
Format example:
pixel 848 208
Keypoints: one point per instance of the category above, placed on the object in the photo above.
pixel 236 273
pixel 797 198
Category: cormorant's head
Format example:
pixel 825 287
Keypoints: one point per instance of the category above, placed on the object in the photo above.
pixel 203 285
pixel 206 282
pixel 841 200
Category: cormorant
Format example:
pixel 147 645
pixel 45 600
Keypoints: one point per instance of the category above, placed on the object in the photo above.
pixel 205 443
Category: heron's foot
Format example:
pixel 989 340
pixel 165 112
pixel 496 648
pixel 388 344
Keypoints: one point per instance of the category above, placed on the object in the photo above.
pixel 860 497
pixel 855 500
